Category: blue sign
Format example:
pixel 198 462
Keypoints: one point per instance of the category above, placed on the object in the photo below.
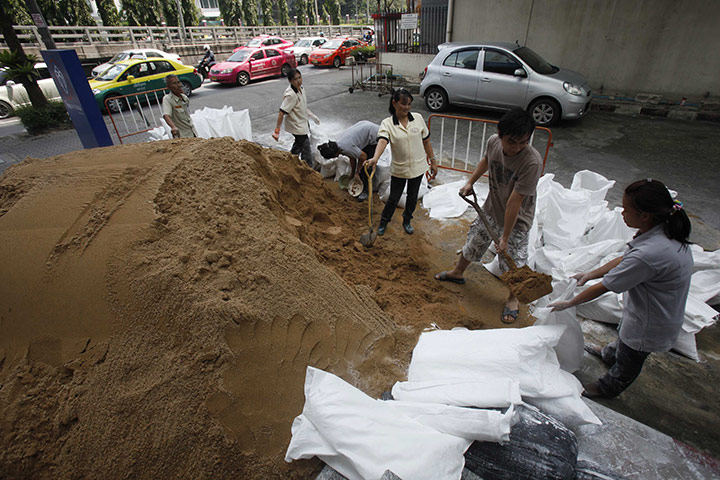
pixel 67 72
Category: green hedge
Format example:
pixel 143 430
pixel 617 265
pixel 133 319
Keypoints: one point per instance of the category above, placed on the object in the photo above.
pixel 39 120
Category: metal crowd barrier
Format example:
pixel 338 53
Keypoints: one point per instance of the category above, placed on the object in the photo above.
pixel 373 76
pixel 135 113
pixel 450 157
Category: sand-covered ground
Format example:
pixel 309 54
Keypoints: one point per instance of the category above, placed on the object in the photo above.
pixel 160 302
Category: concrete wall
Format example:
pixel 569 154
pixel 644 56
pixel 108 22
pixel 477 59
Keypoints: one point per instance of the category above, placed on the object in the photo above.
pixel 667 47
pixel 409 65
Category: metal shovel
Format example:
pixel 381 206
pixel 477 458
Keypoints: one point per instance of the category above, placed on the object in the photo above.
pixel 525 284
pixel 368 239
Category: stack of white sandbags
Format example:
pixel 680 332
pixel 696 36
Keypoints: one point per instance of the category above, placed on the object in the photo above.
pixel 212 123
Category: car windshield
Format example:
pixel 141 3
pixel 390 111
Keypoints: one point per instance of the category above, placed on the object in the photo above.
pixel 535 61
pixel 119 57
pixel 333 44
pixel 111 72
pixel 255 42
pixel 303 43
pixel 240 56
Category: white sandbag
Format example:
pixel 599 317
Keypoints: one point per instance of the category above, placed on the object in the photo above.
pixel 444 201
pixel 486 393
pixel 384 191
pixel 571 410
pixel 562 214
pixel 703 260
pixel 569 348
pixel 610 225
pixel 468 423
pixel 593 183
pixel 705 285
pixel 224 122
pixel 698 315
pixel 566 262
pixel 522 354
pixel 361 438
pixel 607 308
pixel 160 133
pixel 686 345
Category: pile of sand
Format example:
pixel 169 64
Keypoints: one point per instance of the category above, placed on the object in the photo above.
pixel 159 304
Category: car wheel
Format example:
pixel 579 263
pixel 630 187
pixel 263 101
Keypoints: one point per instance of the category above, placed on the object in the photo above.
pixel 5 109
pixel 336 62
pixel 284 69
pixel 187 88
pixel 115 105
pixel 304 60
pixel 243 79
pixel 436 100
pixel 545 111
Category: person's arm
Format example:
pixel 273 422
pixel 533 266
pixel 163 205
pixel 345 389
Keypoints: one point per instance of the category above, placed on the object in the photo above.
pixel 167 110
pixel 382 144
pixel 313 117
pixel 479 171
pixel 429 152
pixel 599 272
pixel 276 133
pixel 512 209
pixel 590 293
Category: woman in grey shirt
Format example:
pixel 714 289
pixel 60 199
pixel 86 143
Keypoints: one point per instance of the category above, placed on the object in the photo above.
pixel 654 274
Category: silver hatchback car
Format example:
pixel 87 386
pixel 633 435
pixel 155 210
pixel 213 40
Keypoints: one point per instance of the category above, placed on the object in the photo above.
pixel 502 76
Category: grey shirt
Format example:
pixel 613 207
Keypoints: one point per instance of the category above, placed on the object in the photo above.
pixel 655 275
pixel 357 137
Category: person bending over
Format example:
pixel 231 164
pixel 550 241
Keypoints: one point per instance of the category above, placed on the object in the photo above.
pixel 654 276
pixel 358 143
pixel 514 168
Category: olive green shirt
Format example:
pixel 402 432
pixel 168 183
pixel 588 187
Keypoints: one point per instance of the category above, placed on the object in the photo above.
pixel 178 109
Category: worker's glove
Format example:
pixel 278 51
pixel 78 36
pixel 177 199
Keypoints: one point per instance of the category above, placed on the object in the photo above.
pixel 315 119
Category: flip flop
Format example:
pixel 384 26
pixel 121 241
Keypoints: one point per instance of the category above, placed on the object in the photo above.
pixel 443 277
pixel 509 313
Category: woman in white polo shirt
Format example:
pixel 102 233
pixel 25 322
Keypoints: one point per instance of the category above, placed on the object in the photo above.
pixel 654 274
pixel 409 141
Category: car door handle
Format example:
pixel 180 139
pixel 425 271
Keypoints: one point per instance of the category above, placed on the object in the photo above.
pixel 485 79
pixel 447 74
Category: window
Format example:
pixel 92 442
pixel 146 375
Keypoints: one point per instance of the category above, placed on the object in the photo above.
pixel 318 42
pixel 153 55
pixel 208 3
pixel 462 59
pixel 347 43
pixel 271 53
pixel 257 55
pixel 162 67
pixel 500 62
pixel 44 72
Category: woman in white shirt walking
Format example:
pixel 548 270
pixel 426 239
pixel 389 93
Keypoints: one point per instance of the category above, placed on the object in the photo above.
pixel 409 141
pixel 296 113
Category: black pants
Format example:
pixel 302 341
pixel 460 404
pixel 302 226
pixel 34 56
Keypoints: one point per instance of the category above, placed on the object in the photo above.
pixel 301 147
pixel 397 185
pixel 626 366
pixel 370 152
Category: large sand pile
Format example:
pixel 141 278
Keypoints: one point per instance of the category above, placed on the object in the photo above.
pixel 159 304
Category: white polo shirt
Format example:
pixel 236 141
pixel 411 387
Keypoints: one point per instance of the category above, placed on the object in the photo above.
pixel 406 143
pixel 294 106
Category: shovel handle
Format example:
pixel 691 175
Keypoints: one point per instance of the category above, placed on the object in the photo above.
pixel 370 193
pixel 493 235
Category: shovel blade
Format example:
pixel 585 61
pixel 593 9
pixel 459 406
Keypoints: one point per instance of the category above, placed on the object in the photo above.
pixel 526 284
pixel 368 239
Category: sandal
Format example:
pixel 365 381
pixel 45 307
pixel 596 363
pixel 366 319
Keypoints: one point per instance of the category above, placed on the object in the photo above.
pixel 443 277
pixel 509 313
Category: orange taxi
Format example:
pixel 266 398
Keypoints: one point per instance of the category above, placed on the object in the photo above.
pixel 335 51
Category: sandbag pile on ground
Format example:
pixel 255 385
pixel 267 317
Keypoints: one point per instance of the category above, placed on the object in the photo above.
pixel 212 123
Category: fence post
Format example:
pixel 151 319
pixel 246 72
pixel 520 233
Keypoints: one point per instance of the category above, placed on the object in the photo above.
pixel 38 38
pixel 237 40
pixel 167 34
pixel 89 37
pixel 215 36
pixel 132 37
pixel 152 37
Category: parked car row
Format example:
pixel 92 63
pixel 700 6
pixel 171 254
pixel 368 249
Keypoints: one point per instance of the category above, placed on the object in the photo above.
pixel 13 94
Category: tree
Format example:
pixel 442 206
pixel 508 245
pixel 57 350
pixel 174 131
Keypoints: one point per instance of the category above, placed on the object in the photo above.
pixel 142 12
pixel 301 10
pixel 250 12
pixel 324 14
pixel 312 12
pixel 267 10
pixel 334 7
pixel 19 65
pixel 284 14
pixel 108 13
pixel 170 13
pixel 17 10
pixel 231 11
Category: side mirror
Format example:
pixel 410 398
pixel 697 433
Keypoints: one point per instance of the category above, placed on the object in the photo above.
pixel 130 78
pixel 520 72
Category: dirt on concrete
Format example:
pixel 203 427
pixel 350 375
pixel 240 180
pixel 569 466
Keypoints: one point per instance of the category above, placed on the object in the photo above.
pixel 160 303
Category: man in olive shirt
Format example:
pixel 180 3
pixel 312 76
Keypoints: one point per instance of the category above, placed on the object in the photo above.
pixel 514 168
pixel 176 110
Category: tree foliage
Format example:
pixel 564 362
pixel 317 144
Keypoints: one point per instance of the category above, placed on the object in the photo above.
pixel 142 12
pixel 108 13
pixel 334 10
pixel 231 11
pixel 301 10
pixel 267 12
pixel 284 14
pixel 250 12
pixel 170 13
pixel 324 14
pixel 19 13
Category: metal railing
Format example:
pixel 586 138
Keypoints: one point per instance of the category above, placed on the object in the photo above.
pixel 373 76
pixel 135 113
pixel 464 157
pixel 429 33
pixel 163 35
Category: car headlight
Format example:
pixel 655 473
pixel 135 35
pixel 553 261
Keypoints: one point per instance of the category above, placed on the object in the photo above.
pixel 572 89
pixel 226 70
pixel 96 91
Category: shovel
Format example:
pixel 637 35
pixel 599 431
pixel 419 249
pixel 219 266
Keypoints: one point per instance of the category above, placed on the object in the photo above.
pixel 368 239
pixel 525 284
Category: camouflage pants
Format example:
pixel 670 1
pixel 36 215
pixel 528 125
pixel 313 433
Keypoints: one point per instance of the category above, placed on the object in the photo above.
pixel 478 241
